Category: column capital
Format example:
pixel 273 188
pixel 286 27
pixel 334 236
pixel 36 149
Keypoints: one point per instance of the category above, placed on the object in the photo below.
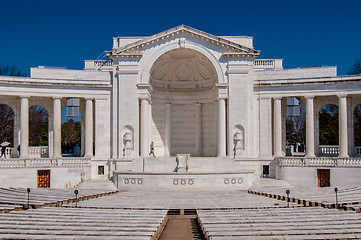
pixel 277 98
pixel 221 98
pixel 24 96
pixel 168 104
pixel 144 98
pixel 88 98
pixel 309 96
pixel 56 97
pixel 342 95
pixel 197 104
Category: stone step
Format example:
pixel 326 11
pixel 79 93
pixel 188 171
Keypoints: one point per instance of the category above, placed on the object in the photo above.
pixel 290 237
pixel 38 236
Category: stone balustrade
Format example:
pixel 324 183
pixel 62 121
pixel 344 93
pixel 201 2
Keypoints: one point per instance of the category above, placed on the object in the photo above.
pixel 34 152
pixel 329 150
pixel 319 162
pixel 96 64
pixel 44 162
pixel 268 63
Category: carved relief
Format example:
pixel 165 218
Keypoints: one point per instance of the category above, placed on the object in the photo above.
pixel 133 181
pixel 233 181
pixel 238 141
pixel 183 181
pixel 128 140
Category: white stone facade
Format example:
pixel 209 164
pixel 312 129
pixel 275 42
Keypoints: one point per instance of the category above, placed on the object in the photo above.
pixel 189 92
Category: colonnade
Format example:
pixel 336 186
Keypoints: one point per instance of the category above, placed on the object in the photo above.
pixel 310 127
pixel 56 147
pixel 145 124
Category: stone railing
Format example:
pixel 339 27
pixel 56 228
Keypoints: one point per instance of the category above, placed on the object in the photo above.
pixel 96 64
pixel 319 162
pixel 268 63
pixel 34 152
pixel 329 150
pixel 44 162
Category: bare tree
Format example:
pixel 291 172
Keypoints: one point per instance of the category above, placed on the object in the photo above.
pixel 356 68
pixel 6 123
pixel 11 71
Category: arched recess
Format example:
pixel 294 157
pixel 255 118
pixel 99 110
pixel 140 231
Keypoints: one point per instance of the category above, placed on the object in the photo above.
pixel 38 131
pixel 183 103
pixel 144 63
pixel 7 126
pixel 357 129
pixel 238 141
pixel 128 140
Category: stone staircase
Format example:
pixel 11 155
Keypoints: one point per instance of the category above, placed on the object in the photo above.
pixel 103 184
pixel 263 184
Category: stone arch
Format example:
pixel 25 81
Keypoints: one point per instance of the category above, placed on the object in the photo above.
pixel 145 74
pixel 189 103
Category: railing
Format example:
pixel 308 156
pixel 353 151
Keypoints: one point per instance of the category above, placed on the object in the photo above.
pixel 96 64
pixel 34 152
pixel 268 63
pixel 44 162
pixel 319 162
pixel 329 150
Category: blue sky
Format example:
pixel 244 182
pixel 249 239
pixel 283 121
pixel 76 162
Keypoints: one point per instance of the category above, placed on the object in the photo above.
pixel 64 33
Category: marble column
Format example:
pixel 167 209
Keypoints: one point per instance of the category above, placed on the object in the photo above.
pixel 277 127
pixel 57 127
pixel 88 127
pixel 144 127
pixel 168 129
pixel 24 127
pixel 199 143
pixel 310 128
pixel 221 128
pixel 343 141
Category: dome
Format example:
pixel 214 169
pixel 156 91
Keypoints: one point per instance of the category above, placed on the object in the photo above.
pixel 183 70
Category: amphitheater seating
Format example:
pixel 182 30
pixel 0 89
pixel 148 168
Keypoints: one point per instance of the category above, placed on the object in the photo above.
pixel 64 223
pixel 280 223
pixel 182 200
pixel 315 196
pixel 46 197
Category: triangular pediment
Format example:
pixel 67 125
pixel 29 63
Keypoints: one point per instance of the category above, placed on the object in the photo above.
pixel 229 48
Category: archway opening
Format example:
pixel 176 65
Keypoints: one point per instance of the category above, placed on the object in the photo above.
pixel 7 128
pixel 357 129
pixel 295 127
pixel 183 110
pixel 329 130
pixel 38 131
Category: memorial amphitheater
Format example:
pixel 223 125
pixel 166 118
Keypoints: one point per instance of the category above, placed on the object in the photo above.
pixel 183 136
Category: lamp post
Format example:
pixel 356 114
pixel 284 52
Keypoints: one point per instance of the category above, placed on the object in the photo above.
pixel 76 198
pixel 288 197
pixel 336 190
pixel 28 190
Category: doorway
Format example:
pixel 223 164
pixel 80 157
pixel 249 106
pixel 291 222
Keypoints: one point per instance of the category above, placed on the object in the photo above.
pixel 43 178
pixel 323 176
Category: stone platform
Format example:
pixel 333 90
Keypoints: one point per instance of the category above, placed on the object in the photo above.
pixel 175 181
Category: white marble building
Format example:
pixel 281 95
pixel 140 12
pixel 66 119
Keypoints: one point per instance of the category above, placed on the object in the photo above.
pixel 207 99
